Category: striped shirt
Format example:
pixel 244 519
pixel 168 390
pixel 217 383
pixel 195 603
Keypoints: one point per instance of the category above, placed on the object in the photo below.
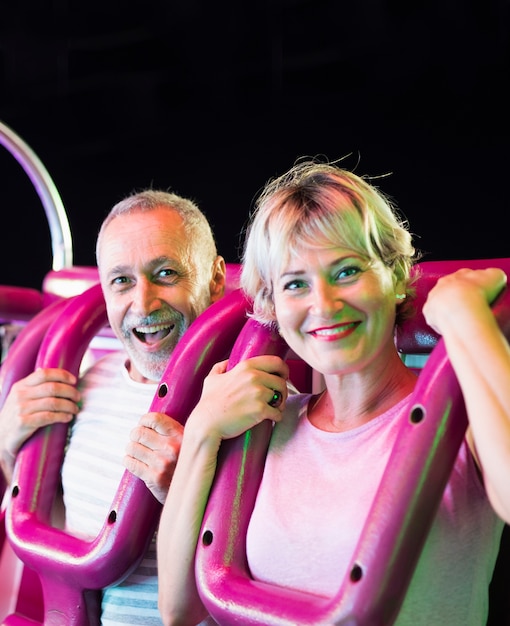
pixel 93 467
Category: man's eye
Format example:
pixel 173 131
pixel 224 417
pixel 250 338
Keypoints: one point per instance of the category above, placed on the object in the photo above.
pixel 167 273
pixel 120 280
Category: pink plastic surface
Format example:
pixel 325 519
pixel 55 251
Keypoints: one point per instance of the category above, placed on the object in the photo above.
pixel 415 336
pixel 71 570
pixel 19 303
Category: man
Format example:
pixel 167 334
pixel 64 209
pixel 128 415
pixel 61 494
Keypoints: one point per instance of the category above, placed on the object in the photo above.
pixel 159 269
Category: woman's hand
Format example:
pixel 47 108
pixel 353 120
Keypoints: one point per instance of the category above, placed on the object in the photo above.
pixel 234 401
pixel 461 293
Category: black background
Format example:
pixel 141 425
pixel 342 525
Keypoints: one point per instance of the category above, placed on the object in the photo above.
pixel 213 98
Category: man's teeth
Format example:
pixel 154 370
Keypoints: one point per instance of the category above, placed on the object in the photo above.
pixel 145 330
pixel 153 334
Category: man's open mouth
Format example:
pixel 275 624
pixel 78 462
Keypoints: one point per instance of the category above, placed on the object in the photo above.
pixel 153 334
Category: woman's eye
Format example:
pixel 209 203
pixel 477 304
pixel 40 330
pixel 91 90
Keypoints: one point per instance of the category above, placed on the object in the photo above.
pixel 348 272
pixel 292 285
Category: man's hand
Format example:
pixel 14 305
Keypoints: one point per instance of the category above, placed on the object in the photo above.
pixel 152 451
pixel 44 397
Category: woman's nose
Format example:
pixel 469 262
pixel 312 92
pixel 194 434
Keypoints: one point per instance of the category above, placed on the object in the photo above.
pixel 325 300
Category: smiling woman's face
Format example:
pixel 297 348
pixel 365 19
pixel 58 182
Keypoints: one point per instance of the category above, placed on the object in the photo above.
pixel 152 286
pixel 336 309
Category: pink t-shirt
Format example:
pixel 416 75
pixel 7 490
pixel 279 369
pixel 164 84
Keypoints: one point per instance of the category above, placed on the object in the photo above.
pixel 315 495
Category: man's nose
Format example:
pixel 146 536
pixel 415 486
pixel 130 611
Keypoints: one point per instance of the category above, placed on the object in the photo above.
pixel 146 298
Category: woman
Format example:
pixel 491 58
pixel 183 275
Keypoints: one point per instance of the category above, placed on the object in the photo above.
pixel 327 259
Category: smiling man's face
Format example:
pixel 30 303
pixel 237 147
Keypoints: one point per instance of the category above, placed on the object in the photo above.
pixel 154 286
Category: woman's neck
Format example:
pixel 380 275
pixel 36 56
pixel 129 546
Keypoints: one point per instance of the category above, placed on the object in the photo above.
pixel 352 400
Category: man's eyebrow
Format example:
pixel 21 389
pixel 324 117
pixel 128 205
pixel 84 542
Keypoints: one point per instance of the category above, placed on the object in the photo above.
pixel 166 260
pixel 161 260
pixel 117 270
pixel 122 269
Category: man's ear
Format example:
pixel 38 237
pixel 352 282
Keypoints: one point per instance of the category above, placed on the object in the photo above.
pixel 217 283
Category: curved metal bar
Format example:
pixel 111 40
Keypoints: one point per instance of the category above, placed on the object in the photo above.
pixel 61 241
pixel 391 540
pixel 72 569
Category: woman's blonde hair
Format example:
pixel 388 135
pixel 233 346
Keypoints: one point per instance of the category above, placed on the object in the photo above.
pixel 320 204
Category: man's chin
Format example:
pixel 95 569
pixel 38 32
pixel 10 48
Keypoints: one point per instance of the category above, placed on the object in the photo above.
pixel 144 370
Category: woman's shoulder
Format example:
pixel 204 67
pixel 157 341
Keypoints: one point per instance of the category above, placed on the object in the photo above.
pixel 296 406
